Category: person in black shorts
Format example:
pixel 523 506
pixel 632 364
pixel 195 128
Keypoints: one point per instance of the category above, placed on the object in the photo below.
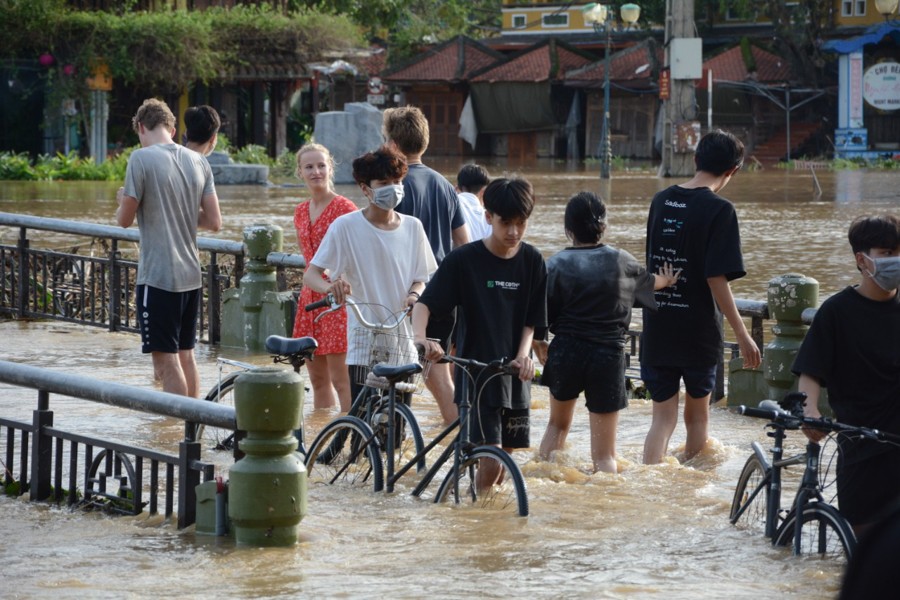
pixel 591 288
pixel 696 230
pixel 499 285
pixel 853 349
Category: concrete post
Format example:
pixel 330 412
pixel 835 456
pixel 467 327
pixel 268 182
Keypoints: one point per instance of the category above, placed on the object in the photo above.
pixel 788 296
pixel 267 489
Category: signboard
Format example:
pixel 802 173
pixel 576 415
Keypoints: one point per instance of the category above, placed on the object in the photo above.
pixel 375 99
pixel 855 78
pixel 375 86
pixel 664 84
pixel 881 86
pixel 685 136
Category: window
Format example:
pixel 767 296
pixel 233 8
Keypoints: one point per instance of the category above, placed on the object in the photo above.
pixel 853 8
pixel 555 20
pixel 519 21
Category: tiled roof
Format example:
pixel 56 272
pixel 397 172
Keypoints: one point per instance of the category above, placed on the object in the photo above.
pixel 730 66
pixel 453 60
pixel 548 60
pixel 636 64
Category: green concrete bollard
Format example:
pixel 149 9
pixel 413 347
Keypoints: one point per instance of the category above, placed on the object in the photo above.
pixel 267 489
pixel 788 296
pixel 257 309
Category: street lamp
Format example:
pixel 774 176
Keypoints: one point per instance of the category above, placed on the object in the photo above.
pixel 601 18
pixel 886 7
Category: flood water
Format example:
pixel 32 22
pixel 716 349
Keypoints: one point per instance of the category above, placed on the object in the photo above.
pixel 649 532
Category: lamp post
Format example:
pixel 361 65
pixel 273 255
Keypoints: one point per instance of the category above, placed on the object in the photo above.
pixel 886 8
pixel 600 17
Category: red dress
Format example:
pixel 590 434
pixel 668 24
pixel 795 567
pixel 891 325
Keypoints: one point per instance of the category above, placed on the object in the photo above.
pixel 331 330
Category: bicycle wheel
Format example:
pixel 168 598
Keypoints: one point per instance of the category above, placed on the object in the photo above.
pixel 823 532
pixel 345 453
pixel 508 495
pixel 751 496
pixel 408 441
pixel 216 437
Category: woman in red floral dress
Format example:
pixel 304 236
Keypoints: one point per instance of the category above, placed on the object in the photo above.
pixel 327 372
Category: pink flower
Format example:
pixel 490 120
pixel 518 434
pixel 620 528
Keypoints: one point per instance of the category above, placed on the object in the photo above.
pixel 69 70
pixel 46 59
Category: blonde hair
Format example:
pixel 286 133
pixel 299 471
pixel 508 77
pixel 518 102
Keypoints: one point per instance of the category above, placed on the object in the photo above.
pixel 151 113
pixel 407 127
pixel 329 160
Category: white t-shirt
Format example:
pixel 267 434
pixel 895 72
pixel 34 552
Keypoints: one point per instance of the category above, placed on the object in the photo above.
pixel 380 267
pixel 473 212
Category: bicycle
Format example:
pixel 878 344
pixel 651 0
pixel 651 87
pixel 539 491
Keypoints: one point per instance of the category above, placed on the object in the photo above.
pixel 334 454
pixel 811 525
pixel 295 352
pixel 459 483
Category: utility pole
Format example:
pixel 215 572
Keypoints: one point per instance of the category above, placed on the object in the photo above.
pixel 681 107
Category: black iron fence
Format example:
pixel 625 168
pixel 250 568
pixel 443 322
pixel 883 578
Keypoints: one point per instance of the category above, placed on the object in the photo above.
pixel 50 463
pixel 92 281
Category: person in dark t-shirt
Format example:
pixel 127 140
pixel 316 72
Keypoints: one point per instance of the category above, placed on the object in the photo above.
pixel 696 230
pixel 591 288
pixel 853 349
pixel 499 284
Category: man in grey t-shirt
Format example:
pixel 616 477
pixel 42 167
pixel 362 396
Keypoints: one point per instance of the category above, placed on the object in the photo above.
pixel 169 189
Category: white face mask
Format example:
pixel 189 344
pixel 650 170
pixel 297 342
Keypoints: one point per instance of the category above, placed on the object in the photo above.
pixel 885 272
pixel 387 197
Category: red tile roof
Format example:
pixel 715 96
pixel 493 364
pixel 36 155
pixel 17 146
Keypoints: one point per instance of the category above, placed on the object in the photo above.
pixel 442 63
pixel 730 66
pixel 636 64
pixel 535 64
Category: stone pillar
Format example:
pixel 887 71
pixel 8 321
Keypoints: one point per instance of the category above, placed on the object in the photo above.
pixel 788 296
pixel 348 134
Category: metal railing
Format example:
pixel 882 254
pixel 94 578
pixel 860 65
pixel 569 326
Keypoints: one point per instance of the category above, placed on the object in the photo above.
pixel 58 465
pixel 97 288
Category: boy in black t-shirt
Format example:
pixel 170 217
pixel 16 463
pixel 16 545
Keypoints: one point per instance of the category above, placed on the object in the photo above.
pixel 499 284
pixel 696 230
pixel 853 348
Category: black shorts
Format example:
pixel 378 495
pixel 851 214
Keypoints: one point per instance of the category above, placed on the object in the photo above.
pixel 506 427
pixel 168 320
pixel 664 382
pixel 441 329
pixel 575 366
pixel 866 488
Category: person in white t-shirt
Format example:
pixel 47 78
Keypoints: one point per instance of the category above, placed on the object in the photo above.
pixel 470 183
pixel 380 257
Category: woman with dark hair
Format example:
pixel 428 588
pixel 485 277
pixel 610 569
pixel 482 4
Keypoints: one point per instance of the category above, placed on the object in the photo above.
pixel 591 288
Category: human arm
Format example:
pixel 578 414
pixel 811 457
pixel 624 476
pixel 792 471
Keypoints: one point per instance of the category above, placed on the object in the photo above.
pixel 460 235
pixel 314 280
pixel 210 217
pixel 127 209
pixel 523 360
pixel 420 315
pixel 811 386
pixel 666 277
pixel 721 292
pixel 541 349
pixel 414 293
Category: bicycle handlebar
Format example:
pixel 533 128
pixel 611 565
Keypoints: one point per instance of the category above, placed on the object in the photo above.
pixel 769 409
pixel 328 300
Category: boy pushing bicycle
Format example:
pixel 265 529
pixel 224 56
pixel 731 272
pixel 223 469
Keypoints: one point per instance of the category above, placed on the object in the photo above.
pixel 499 284
pixel 853 349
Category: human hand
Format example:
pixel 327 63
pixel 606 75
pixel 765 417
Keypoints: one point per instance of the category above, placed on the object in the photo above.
pixel 541 349
pixel 749 351
pixel 814 435
pixel 669 274
pixel 340 289
pixel 430 349
pixel 525 366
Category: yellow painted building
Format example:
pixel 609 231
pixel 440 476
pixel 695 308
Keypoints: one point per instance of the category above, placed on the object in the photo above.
pixel 543 18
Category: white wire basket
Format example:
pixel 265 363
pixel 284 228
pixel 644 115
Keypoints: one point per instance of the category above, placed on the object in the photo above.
pixel 390 348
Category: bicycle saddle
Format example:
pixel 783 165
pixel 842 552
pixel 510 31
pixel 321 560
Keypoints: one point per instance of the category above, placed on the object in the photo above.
pixel 277 344
pixel 395 373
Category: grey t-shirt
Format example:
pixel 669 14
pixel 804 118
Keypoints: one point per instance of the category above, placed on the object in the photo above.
pixel 168 181
pixel 429 197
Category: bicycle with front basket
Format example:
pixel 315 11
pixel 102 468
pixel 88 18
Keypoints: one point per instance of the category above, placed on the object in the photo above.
pixel 811 525
pixel 334 454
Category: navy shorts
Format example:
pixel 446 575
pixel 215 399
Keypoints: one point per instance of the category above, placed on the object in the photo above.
pixel 168 320
pixel 575 366
pixel 664 382
pixel 504 427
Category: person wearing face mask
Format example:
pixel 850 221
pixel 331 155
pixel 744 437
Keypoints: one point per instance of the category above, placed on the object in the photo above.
pixel 380 257
pixel 853 349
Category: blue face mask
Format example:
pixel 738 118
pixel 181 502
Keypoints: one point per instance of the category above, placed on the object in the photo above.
pixel 885 272
pixel 387 197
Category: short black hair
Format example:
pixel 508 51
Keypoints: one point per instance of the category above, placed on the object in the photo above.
pixel 878 231
pixel 472 178
pixel 509 198
pixel 384 163
pixel 585 218
pixel 719 152
pixel 201 123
